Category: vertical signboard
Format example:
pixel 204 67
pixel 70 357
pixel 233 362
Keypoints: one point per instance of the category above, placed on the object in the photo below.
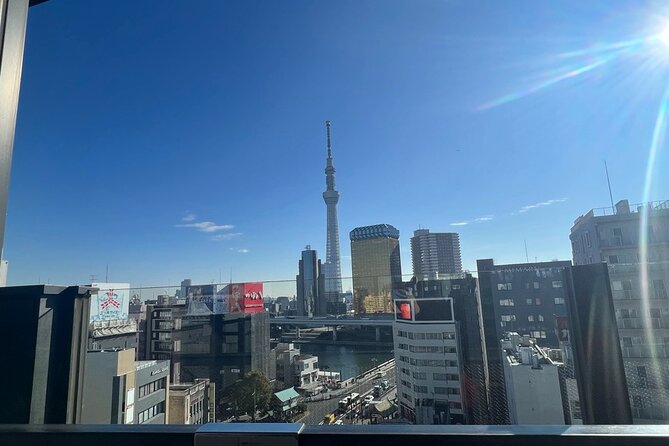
pixel 111 303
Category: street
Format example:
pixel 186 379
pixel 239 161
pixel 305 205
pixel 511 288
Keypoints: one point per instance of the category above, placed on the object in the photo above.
pixel 317 410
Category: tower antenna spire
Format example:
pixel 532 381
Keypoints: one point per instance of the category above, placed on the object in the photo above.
pixel 327 128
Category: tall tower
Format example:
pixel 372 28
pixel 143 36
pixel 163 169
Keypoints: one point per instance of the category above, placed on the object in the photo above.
pixel 332 266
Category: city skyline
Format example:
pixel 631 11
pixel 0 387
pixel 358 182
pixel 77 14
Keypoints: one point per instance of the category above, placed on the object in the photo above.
pixel 224 169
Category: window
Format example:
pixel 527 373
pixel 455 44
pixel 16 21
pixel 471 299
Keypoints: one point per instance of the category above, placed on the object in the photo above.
pixel 403 346
pixel 537 301
pixel 617 236
pixel 559 301
pixel 419 389
pixel 655 313
pixel 445 377
pixel 151 387
pixel 529 301
pixel 536 285
pixel 454 405
pixel 660 290
pixel 637 401
pixel 449 335
pixel 508 317
pixel 586 239
pixel 151 412
pixel 540 318
pixel 406 372
pixel 446 391
pixel 506 302
pixel 455 287
pixel 504 286
pixel 627 342
pixel 613 259
pixel 530 318
pixel 643 377
pixel 539 334
pixel 557 284
pixel 419 375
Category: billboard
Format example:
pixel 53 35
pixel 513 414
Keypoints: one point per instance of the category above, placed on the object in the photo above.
pixel 245 297
pixel 111 302
pixel 424 310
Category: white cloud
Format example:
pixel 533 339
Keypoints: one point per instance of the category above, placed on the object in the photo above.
pixel 484 218
pixel 243 250
pixel 228 236
pixel 206 226
pixel 460 223
pixel 189 217
pixel 541 204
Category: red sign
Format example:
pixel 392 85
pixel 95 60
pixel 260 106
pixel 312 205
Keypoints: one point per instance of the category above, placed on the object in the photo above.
pixel 562 328
pixel 246 297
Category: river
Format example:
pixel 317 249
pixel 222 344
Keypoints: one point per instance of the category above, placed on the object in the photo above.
pixel 349 360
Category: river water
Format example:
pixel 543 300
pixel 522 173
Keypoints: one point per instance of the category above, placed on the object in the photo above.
pixel 347 359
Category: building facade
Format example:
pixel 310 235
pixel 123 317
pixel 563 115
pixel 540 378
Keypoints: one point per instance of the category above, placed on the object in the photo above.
pixel 435 253
pixel 119 390
pixel 525 298
pixel 533 389
pixel 192 403
pixel 376 265
pixel 332 266
pixel 311 300
pixel 634 242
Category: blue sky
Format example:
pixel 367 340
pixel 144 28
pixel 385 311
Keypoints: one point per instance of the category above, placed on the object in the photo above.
pixel 137 115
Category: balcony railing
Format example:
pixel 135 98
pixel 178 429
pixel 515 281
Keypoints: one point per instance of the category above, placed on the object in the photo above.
pixel 301 435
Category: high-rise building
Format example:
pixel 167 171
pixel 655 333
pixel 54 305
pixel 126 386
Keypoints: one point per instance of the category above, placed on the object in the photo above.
pixel 534 299
pixel 634 242
pixel 439 352
pixel 376 265
pixel 445 318
pixel 310 285
pixel 435 253
pixel 332 266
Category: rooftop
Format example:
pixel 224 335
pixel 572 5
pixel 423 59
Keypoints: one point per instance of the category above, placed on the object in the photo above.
pixel 375 231
pixel 287 394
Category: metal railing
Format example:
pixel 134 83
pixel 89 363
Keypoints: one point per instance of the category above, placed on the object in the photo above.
pixel 300 435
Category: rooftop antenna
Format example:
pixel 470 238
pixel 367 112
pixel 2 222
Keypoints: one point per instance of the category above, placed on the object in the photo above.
pixel 107 274
pixel 219 275
pixel 93 278
pixel 327 128
pixel 608 180
pixel 527 258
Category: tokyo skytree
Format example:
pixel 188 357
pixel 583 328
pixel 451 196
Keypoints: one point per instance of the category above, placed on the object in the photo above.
pixel 332 266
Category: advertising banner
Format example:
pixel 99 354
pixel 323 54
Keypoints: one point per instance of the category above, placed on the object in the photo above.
pixel 245 297
pixel 111 303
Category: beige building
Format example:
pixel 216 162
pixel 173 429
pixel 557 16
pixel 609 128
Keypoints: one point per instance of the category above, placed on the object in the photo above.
pixel 375 259
pixel 192 403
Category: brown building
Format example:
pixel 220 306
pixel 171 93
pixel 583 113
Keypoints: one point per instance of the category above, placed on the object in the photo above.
pixel 192 403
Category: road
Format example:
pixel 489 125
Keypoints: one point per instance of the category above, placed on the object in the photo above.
pixel 317 410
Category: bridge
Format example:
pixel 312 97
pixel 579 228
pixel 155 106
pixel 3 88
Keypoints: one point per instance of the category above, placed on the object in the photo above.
pixel 334 322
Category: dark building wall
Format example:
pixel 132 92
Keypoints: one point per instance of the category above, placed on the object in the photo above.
pixel 593 333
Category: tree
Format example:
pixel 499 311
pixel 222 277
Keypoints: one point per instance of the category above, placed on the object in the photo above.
pixel 252 393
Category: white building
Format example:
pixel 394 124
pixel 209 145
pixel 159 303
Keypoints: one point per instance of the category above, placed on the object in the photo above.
pixel 296 369
pixel 427 364
pixel 532 382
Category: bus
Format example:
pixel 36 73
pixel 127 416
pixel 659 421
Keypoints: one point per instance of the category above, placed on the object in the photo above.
pixel 354 398
pixel 343 404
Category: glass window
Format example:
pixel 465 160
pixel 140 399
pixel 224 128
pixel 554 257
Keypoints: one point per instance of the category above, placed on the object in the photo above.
pixel 530 318
pixel 537 301
pixel 529 301
pixel 557 284
pixel 559 300
pixel 540 318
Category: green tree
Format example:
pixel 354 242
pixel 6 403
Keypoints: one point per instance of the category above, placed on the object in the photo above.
pixel 252 393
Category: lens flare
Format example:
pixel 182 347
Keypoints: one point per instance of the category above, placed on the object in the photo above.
pixel 663 37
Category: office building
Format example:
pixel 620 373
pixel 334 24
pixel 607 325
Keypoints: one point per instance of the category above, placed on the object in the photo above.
pixel 435 253
pixel 220 337
pixel 429 385
pixel 376 265
pixel 634 243
pixel 192 403
pixel 332 266
pixel 310 285
pixel 439 353
pixel 533 390
pixel 532 299
pixel 118 390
